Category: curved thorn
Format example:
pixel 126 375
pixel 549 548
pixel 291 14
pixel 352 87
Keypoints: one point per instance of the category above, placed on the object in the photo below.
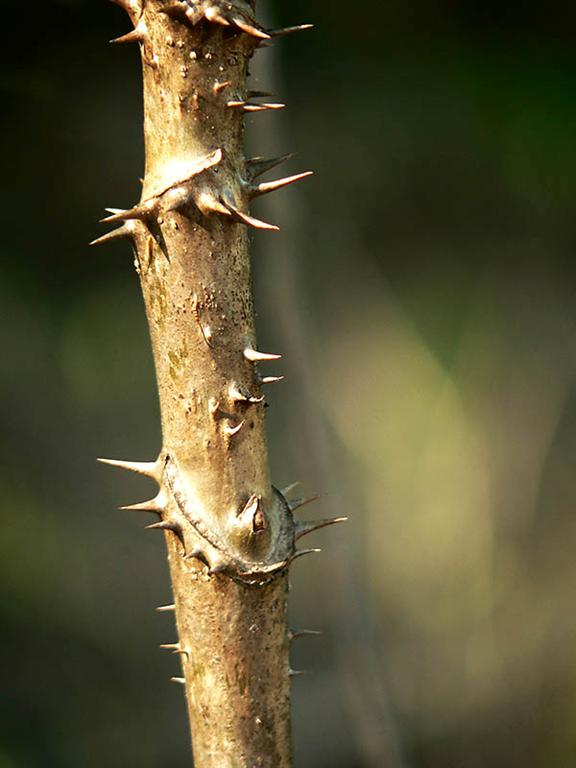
pixel 147 468
pixel 231 431
pixel 250 29
pixel 303 552
pixel 217 87
pixel 214 15
pixel 297 503
pixel 196 554
pixel 272 186
pixel 294 634
pixel 240 397
pixel 245 218
pixel 166 608
pixel 254 356
pixel 303 529
pixel 290 488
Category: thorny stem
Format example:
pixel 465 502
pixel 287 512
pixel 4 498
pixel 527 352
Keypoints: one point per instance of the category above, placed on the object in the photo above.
pixel 230 535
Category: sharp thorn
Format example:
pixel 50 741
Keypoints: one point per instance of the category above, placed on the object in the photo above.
pixel 117 234
pixel 169 646
pixel 264 107
pixel 179 680
pixel 117 214
pixel 196 554
pixel 153 505
pixel 271 379
pixel 303 552
pixel 243 397
pixel 294 634
pixel 247 106
pixel 297 672
pixel 271 186
pixel 165 526
pixel 166 608
pixel 303 529
pixel 253 356
pixel 221 86
pixel 289 30
pixel 136 35
pixel 290 488
pixel 214 15
pixel 250 221
pixel 256 166
pixel 149 469
pixel 231 431
pixel 297 503
pixel 250 29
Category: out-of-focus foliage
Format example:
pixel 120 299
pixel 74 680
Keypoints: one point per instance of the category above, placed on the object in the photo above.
pixel 423 293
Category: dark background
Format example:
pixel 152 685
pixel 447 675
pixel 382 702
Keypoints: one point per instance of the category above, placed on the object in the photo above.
pixel 423 295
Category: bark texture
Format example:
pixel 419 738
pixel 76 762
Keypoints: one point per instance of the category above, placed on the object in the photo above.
pixel 230 534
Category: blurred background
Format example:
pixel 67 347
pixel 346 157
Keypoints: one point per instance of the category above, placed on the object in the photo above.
pixel 423 296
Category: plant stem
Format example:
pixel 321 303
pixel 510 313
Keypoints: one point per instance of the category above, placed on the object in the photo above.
pixel 230 534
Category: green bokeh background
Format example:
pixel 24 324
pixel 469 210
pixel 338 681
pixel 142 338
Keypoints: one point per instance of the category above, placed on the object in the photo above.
pixel 423 295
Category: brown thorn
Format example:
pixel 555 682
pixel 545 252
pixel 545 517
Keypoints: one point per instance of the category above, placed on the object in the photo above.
pixel 149 469
pixel 214 15
pixel 218 87
pixel 297 672
pixel 249 221
pixel 250 29
pixel 303 529
pixel 165 526
pixel 136 35
pixel 289 30
pixel 294 634
pixel 297 503
pixel 256 166
pixel 271 186
pixel 303 552
pixel 152 505
pixel 117 234
pixel 232 431
pixel 289 488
